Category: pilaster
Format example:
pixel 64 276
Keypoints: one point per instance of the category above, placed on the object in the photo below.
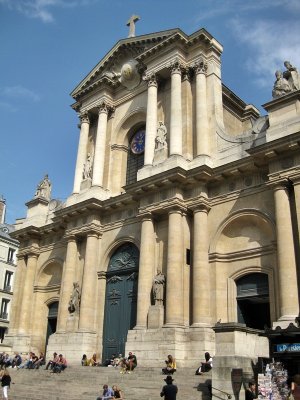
pixel 82 150
pixel 151 119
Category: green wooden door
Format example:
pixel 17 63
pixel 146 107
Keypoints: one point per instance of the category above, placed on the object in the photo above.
pixel 120 299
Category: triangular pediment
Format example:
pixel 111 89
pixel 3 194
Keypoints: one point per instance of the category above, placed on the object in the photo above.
pixel 123 50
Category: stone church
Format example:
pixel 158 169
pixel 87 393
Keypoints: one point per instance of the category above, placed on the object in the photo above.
pixel 181 234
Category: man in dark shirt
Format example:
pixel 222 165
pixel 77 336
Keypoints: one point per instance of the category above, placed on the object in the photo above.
pixel 169 390
pixel 250 392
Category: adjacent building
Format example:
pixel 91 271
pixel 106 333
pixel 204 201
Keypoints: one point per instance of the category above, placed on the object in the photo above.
pixel 8 265
pixel 181 234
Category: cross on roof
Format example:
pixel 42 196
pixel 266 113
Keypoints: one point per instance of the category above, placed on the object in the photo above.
pixel 131 23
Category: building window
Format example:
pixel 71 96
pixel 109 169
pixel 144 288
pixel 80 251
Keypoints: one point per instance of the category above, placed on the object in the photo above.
pixel 10 257
pixel 3 332
pixel 4 309
pixel 135 159
pixel 7 281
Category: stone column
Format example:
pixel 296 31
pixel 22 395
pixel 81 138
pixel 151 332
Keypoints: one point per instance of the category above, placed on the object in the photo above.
pixel 18 295
pixel 202 134
pixel 176 112
pixel 296 184
pixel 200 268
pixel 88 292
pixel 151 120
pixel 82 148
pixel 68 276
pixel 145 271
pixel 288 290
pixel 174 291
pixel 25 321
pixel 99 156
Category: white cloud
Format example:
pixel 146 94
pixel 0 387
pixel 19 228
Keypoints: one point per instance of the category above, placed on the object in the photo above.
pixel 19 92
pixel 214 8
pixel 270 43
pixel 7 107
pixel 42 9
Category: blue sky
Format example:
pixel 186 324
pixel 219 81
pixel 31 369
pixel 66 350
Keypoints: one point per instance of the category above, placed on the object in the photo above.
pixel 49 46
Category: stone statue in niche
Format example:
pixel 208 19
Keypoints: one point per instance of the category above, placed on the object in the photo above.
pixel 292 76
pixel 161 137
pixel 281 85
pixel 44 189
pixel 74 302
pixel 87 168
pixel 158 288
pixel 161 145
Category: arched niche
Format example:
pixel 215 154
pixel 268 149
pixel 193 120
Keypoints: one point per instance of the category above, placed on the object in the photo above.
pixel 50 273
pixel 244 230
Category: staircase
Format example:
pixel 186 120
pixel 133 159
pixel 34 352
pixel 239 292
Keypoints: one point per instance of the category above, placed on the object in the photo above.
pixel 77 383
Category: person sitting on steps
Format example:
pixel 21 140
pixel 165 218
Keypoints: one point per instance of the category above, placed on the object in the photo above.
pixel 206 365
pixel 170 367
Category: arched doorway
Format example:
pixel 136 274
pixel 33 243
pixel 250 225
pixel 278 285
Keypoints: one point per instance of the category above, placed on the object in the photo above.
pixel 120 298
pixel 253 304
pixel 52 319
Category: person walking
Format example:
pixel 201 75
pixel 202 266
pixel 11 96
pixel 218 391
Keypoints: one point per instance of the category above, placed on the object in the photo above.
pixel 169 391
pixel 5 383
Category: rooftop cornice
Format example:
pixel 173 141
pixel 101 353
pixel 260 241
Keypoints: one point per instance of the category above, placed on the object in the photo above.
pixel 274 103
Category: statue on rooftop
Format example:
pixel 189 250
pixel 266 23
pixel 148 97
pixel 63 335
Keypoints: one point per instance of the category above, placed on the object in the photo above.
pixel 281 86
pixel 292 76
pixel 44 189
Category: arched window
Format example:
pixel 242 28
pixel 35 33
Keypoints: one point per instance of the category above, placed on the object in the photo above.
pixel 253 305
pixel 135 159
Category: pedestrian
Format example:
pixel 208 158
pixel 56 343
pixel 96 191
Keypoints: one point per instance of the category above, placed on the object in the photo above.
pixel 169 390
pixel 250 391
pixel 5 383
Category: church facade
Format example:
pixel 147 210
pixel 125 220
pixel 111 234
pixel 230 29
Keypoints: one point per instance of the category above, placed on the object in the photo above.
pixel 184 214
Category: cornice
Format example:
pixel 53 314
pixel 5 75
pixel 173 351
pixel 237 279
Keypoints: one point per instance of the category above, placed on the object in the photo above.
pixel 46 289
pixel 84 230
pixel 242 255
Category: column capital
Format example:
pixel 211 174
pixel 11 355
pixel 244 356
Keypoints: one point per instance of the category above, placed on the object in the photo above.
pixel 84 118
pixel 295 179
pixel 278 183
pixel 105 108
pixel 145 216
pixel 70 236
pixel 151 79
pixel 187 74
pixel 200 67
pixel 200 205
pixel 176 67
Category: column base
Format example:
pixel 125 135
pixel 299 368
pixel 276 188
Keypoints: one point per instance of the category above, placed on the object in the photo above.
pixel 284 321
pixel 185 344
pixel 72 345
pixel 155 317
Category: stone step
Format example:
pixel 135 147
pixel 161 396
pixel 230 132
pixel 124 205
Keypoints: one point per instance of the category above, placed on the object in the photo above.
pixel 77 383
